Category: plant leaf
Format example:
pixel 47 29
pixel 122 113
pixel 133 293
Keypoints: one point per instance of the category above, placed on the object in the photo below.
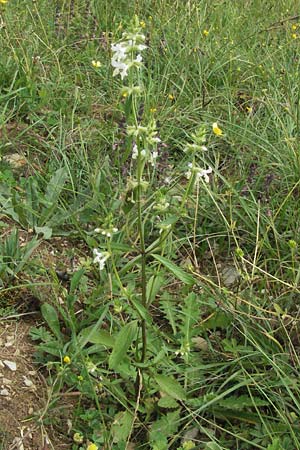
pixel 50 315
pixel 93 335
pixel 177 271
pixel 121 426
pixel 167 402
pixel 122 344
pixel 170 386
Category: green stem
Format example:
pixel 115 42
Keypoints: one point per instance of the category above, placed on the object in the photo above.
pixel 143 254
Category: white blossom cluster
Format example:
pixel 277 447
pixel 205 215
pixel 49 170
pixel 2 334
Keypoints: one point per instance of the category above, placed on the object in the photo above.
pixel 199 173
pixel 126 53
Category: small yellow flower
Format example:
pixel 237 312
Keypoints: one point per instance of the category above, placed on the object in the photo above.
pixel 125 94
pixel 216 129
pixel 142 24
pixel 3 2
pixel 205 32
pixel 294 27
pixel 80 378
pixel 294 36
pixel 153 110
pixel 67 360
pixel 249 109
pixel 92 447
pixel 96 64
pixel 150 18
pixel 171 97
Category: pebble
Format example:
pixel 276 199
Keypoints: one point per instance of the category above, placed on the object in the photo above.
pixel 10 364
pixel 4 392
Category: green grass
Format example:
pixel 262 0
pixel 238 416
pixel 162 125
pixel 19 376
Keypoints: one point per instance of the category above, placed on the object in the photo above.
pixel 240 389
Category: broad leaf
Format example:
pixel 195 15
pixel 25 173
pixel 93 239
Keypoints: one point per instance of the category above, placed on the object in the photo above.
pixel 122 344
pixel 121 426
pixel 170 386
pixel 167 402
pixel 50 315
pixel 95 336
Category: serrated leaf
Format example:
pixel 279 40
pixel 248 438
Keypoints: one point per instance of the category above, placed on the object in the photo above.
pixel 164 427
pixel 241 402
pixel 170 386
pixel 50 315
pixel 167 402
pixel 122 344
pixel 121 426
pixel 170 314
pixel 179 273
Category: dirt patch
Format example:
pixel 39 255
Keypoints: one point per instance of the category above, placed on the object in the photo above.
pixel 24 395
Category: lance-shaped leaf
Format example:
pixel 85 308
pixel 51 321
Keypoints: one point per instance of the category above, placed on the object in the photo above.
pixel 122 344
pixel 177 271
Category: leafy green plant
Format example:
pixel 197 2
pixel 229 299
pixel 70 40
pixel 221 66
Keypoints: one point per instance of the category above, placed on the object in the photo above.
pixel 14 256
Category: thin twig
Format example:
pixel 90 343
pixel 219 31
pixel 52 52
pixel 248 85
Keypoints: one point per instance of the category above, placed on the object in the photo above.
pixel 279 24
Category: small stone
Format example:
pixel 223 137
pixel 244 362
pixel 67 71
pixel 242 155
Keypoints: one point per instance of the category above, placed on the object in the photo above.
pixel 18 443
pixel 8 344
pixel 200 343
pixel 27 382
pixel 11 365
pixel 4 392
pixel 6 381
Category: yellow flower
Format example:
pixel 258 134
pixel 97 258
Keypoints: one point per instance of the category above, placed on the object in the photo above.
pixel 171 97
pixel 294 36
pixel 3 2
pixel 96 64
pixel 216 129
pixel 249 109
pixel 92 447
pixel 142 24
pixel 294 27
pixel 153 110
pixel 205 32
pixel 67 360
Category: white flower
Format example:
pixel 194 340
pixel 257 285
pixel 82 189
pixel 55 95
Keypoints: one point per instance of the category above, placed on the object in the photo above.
pixel 153 157
pixel 199 173
pixel 204 174
pixel 100 258
pixel 124 52
pixel 135 152
pixel 120 68
pixel 119 49
pixel 138 59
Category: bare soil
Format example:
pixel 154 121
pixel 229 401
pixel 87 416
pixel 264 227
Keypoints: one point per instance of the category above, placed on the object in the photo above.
pixel 25 397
